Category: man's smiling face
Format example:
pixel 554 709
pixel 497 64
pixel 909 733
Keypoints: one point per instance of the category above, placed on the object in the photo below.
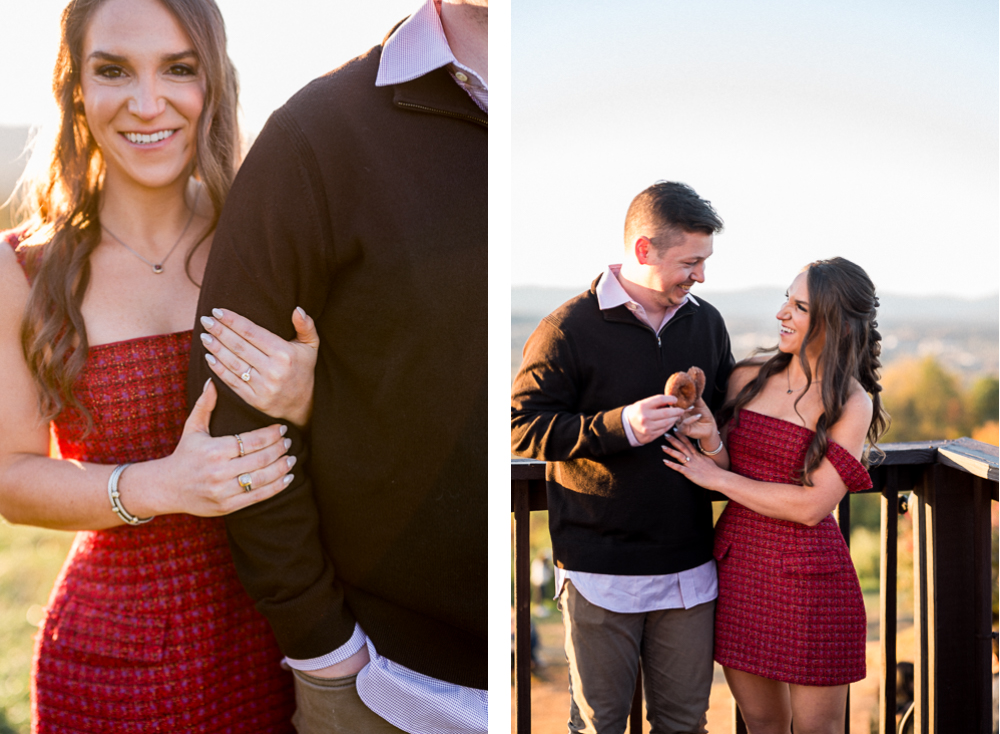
pixel 672 271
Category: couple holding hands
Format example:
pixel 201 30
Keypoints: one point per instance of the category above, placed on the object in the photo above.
pixel 337 289
pixel 641 574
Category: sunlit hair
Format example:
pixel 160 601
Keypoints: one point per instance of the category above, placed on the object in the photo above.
pixel 667 209
pixel 63 202
pixel 843 307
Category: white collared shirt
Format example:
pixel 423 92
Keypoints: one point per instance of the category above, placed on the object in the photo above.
pixel 418 47
pixel 637 594
pixel 611 294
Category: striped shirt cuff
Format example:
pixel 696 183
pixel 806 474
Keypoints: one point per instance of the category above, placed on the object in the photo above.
pixel 343 652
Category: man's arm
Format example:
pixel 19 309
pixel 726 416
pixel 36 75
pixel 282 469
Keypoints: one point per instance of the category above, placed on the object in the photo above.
pixel 270 254
pixel 545 421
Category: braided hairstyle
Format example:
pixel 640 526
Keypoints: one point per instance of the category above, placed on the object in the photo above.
pixel 843 307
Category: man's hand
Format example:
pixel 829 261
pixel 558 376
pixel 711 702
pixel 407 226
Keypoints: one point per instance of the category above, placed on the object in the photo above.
pixel 652 417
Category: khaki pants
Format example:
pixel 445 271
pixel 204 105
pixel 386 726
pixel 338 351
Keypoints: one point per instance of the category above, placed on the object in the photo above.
pixel 604 650
pixel 332 706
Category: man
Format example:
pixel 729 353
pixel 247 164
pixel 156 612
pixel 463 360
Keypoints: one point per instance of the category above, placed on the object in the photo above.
pixel 631 539
pixel 364 201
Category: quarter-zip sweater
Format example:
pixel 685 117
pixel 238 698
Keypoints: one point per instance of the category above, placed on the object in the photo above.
pixel 613 508
pixel 367 206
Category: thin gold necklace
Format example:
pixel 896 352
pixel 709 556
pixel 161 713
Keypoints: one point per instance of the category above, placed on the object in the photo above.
pixel 788 379
pixel 158 267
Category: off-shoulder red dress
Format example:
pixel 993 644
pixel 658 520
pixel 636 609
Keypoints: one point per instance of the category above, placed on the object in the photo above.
pixel 790 606
pixel 148 628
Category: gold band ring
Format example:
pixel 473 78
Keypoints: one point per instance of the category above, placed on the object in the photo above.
pixel 240 442
pixel 246 375
pixel 244 480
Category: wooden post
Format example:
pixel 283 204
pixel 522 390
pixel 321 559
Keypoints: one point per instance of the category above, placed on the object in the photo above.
pixel 923 603
pixel 844 520
pixel 522 607
pixel 959 629
pixel 887 602
pixel 982 541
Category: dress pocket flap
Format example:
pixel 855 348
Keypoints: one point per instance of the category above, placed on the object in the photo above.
pixel 721 548
pixel 111 633
pixel 811 564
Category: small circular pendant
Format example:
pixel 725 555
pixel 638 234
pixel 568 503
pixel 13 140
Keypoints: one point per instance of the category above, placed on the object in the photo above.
pixel 157 268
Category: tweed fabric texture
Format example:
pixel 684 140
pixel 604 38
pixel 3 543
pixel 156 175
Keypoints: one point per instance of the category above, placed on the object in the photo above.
pixel 148 628
pixel 790 605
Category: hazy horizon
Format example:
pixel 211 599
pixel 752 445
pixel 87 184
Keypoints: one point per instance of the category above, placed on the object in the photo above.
pixel 708 290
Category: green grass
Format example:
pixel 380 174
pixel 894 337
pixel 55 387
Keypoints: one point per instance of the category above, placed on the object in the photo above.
pixel 30 559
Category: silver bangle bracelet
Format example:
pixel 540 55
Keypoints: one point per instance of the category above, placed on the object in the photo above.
pixel 116 502
pixel 710 453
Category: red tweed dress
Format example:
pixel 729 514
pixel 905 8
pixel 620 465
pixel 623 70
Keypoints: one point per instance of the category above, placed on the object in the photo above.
pixel 790 606
pixel 148 628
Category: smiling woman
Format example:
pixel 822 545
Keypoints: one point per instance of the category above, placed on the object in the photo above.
pixel 130 68
pixel 147 613
pixel 796 428
pixel 143 93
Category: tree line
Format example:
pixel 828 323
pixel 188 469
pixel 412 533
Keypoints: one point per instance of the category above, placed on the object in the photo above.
pixel 927 402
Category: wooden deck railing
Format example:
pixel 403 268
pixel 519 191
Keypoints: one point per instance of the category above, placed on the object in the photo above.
pixel 953 483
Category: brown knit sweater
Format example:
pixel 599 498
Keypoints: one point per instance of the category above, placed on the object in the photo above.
pixel 368 207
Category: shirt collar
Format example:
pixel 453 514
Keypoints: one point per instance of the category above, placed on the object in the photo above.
pixel 610 293
pixel 418 47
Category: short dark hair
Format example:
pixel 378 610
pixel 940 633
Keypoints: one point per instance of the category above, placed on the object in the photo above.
pixel 670 207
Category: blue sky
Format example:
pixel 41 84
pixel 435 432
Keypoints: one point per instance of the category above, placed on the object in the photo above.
pixel 862 129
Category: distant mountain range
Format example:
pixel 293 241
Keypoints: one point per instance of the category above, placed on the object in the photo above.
pixel 960 333
pixel 761 304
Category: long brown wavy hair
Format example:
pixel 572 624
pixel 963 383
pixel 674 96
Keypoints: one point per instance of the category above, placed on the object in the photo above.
pixel 843 306
pixel 64 226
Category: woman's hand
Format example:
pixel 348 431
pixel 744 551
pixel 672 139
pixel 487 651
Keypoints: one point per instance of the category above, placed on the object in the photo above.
pixel 272 375
pixel 205 476
pixel 700 424
pixel 692 463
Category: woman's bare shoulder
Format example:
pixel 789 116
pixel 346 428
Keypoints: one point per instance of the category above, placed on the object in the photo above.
pixel 859 405
pixel 855 418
